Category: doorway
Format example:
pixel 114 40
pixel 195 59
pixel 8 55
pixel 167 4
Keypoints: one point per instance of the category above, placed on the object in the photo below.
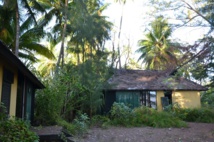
pixel 168 94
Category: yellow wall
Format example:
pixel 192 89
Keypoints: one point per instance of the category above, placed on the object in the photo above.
pixel 158 99
pixel 187 99
pixel 5 64
pixel 13 95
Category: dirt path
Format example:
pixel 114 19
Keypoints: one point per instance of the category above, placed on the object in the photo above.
pixel 196 132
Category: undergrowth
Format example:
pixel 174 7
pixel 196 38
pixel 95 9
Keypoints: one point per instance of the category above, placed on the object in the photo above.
pixel 205 115
pixel 124 116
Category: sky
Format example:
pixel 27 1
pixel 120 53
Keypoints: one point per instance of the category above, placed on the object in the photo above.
pixel 135 21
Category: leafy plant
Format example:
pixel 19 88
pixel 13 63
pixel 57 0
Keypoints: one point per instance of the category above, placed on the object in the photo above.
pixel 150 117
pixel 123 115
pixel 120 114
pixel 49 102
pixel 100 121
pixel 16 131
pixel 81 123
pixel 3 112
pixel 69 127
pixel 192 114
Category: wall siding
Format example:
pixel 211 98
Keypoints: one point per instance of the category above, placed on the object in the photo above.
pixel 159 95
pixel 13 95
pixel 130 98
pixel 187 99
pixel 14 85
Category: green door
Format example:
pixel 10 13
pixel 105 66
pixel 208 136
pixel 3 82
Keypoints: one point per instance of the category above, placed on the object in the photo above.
pixel 129 98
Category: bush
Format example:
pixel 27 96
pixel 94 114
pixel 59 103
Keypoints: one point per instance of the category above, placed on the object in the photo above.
pixel 204 114
pixel 123 115
pixel 200 115
pixel 48 104
pixel 70 128
pixel 79 126
pixel 81 122
pixel 150 117
pixel 3 112
pixel 100 121
pixel 120 114
pixel 16 131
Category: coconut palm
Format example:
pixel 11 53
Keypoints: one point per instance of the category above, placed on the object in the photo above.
pixel 157 51
pixel 29 36
pixel 89 30
pixel 15 7
pixel 122 2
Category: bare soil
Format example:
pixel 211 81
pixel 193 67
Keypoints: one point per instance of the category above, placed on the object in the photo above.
pixel 196 132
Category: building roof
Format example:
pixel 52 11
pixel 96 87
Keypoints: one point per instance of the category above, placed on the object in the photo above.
pixel 10 57
pixel 152 80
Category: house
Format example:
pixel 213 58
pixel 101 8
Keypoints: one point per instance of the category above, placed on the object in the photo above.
pixel 151 88
pixel 17 85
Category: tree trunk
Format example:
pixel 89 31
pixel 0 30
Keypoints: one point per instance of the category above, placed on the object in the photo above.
pixel 118 46
pixel 16 50
pixel 61 53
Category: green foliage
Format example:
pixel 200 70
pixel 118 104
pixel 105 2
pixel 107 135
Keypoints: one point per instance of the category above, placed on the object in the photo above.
pixel 69 127
pixel 120 114
pixel 82 123
pixel 3 112
pixel 79 126
pixel 16 131
pixel 123 115
pixel 157 51
pixel 205 115
pixel 151 117
pixel 207 98
pixel 100 121
pixel 49 102
pixel 74 88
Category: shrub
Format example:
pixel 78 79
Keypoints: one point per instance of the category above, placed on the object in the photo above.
pixel 205 115
pixel 47 106
pixel 70 128
pixel 79 126
pixel 150 117
pixel 123 115
pixel 120 114
pixel 100 121
pixel 16 131
pixel 81 122
pixel 3 112
pixel 200 115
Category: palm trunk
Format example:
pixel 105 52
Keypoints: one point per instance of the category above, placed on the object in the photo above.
pixel 16 50
pixel 118 46
pixel 61 54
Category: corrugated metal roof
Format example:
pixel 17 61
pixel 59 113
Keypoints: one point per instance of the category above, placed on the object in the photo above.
pixel 150 80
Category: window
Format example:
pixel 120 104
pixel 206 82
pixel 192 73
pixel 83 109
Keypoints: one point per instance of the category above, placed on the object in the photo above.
pixel 148 98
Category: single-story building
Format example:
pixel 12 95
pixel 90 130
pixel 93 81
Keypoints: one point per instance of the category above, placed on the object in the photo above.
pixel 17 85
pixel 151 88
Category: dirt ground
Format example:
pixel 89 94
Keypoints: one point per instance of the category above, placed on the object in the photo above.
pixel 196 132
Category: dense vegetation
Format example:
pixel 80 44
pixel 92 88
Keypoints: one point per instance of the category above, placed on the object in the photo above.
pixel 63 43
pixel 15 130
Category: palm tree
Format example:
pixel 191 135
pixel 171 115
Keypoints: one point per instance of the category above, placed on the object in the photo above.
pixel 30 6
pixel 29 36
pixel 89 30
pixel 157 51
pixel 122 2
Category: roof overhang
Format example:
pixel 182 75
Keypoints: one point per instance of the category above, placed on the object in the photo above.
pixel 10 57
